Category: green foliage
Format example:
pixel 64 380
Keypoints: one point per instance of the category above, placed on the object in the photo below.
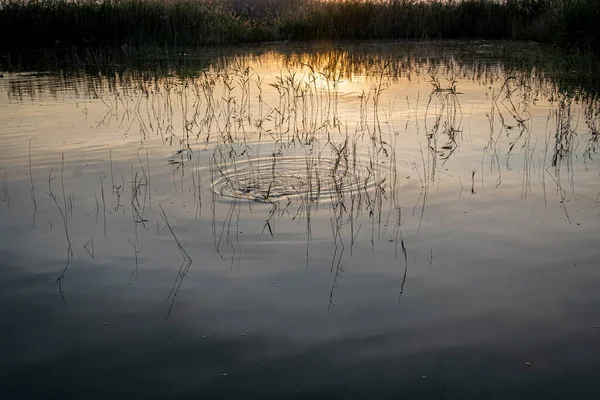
pixel 26 24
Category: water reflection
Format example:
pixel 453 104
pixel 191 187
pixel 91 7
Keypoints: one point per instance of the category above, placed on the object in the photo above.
pixel 325 175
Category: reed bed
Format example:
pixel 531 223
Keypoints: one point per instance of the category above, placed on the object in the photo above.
pixel 177 23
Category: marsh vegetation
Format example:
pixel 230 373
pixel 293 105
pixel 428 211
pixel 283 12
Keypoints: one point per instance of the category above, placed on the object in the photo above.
pixel 64 23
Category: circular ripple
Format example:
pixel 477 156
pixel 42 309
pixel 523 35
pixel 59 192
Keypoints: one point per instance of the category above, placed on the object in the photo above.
pixel 268 179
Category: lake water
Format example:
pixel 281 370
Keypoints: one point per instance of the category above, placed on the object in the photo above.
pixel 392 220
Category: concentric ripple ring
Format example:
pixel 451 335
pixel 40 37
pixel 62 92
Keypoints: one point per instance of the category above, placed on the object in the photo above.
pixel 268 179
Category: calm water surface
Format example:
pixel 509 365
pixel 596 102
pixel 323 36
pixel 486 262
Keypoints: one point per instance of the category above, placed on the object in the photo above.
pixel 397 220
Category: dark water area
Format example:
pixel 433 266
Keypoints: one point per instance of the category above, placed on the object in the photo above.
pixel 333 220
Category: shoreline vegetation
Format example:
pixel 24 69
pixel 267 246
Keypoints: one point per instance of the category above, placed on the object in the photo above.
pixel 50 24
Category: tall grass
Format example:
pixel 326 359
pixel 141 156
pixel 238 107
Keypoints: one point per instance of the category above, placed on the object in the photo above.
pixel 26 24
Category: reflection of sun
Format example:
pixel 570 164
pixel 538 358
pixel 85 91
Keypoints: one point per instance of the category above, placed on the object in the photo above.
pixel 326 68
pixel 329 62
